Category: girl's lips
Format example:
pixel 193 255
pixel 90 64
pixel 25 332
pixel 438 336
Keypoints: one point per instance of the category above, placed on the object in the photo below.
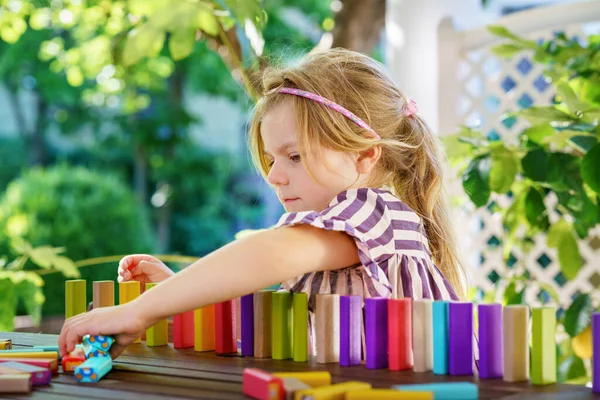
pixel 289 200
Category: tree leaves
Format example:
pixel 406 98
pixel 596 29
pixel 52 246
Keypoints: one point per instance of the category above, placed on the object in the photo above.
pixel 547 114
pixel 578 315
pixel 181 43
pixel 144 41
pixel 590 168
pixel 535 210
pixel 504 168
pixel 476 180
pixel 561 237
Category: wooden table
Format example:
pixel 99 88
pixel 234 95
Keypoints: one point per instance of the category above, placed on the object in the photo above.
pixel 163 372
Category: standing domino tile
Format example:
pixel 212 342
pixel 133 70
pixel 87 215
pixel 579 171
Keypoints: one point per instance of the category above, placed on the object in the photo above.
pixel 204 328
pixel 75 297
pixel 103 294
pixel 376 310
pixel 15 383
pixel 516 343
pixel 422 334
pixel 129 291
pixel 261 385
pixel 39 375
pixel 281 329
pixel 460 338
pixel 445 391
pixel 350 326
pixel 225 337
pixel 157 334
pixel 490 341
pixel 327 327
pixel 400 353
pixel 183 330
pixel 262 323
pixel 247 328
pixel 93 369
pixel 300 327
pixel 440 337
pixel 543 348
pixel 596 352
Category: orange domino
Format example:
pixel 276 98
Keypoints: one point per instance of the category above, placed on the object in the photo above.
pixel 204 328
pixel 70 362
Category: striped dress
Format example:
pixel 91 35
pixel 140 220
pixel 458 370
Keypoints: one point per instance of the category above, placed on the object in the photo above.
pixel 395 260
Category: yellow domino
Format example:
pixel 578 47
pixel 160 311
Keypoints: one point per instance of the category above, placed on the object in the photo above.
pixel 312 379
pixel 157 334
pixel 53 355
pixel 382 394
pixel 129 291
pixel 333 392
pixel 204 328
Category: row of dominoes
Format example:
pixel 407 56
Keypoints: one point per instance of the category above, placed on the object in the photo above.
pixel 422 335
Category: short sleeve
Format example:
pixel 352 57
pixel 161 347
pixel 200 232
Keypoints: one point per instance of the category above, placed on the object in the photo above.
pixel 360 213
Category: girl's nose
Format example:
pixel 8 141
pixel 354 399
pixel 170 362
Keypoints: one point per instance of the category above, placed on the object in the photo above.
pixel 277 176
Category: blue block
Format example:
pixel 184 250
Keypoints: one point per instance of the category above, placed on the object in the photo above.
pixel 444 391
pixel 93 369
pixel 440 337
pixel 94 346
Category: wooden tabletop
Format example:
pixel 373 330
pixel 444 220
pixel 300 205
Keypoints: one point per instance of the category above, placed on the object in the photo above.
pixel 164 372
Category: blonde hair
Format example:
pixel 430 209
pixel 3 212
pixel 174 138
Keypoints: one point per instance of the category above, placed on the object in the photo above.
pixel 409 161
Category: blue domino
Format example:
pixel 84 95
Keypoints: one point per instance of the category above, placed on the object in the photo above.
pixel 93 369
pixel 94 346
pixel 440 337
pixel 445 391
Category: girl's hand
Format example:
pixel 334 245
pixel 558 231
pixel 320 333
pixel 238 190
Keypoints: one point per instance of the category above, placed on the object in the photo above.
pixel 142 268
pixel 125 323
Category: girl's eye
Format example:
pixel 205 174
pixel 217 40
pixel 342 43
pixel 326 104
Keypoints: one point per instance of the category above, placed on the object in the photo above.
pixel 270 163
pixel 295 158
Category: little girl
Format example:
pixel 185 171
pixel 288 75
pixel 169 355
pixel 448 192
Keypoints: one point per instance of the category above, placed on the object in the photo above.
pixel 358 173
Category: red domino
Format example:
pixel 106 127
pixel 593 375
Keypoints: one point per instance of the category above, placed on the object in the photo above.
pixel 51 364
pixel 69 362
pixel 183 330
pixel 225 337
pixel 400 334
pixel 261 385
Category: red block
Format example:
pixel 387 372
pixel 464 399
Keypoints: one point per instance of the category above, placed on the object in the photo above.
pixel 51 364
pixel 225 337
pixel 261 385
pixel 183 330
pixel 70 362
pixel 400 334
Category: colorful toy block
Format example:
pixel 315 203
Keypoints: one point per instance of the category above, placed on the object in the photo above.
pixel 69 362
pixel 543 346
pixel 312 378
pixel 261 385
pixel 11 371
pixel 263 306
pixel 247 324
pixel 39 376
pixel 225 337
pixel 440 337
pixel 383 394
pixel 327 328
pixel 491 346
pixel 460 338
pixel 400 353
pixel 157 334
pixel 422 335
pixel 129 291
pixel 300 327
pixel 103 294
pixel 596 352
pixel 52 355
pixel 183 330
pixel 376 321
pixel 75 297
pixel 28 350
pixel 15 383
pixel 5 344
pixel 281 326
pixel 291 386
pixel 337 391
pixel 50 364
pixel 516 343
pixel 93 369
pixel 445 391
pixel 204 328
pixel 96 346
pixel 351 321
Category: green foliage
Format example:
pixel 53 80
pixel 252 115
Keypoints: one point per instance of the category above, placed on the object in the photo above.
pixel 88 213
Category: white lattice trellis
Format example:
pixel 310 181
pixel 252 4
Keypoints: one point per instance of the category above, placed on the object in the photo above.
pixel 477 89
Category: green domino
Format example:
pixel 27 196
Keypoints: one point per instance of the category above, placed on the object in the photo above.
pixel 281 326
pixel 300 327
pixel 543 349
pixel 75 297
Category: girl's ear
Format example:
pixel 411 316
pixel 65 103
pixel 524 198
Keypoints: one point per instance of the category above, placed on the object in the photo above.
pixel 367 159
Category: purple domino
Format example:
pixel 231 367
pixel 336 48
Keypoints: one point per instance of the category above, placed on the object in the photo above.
pixel 491 343
pixel 247 316
pixel 596 353
pixel 460 338
pixel 350 323
pixel 377 332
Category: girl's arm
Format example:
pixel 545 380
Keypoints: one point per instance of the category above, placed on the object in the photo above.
pixel 239 268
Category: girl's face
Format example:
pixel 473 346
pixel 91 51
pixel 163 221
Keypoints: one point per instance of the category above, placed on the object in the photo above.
pixel 295 187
